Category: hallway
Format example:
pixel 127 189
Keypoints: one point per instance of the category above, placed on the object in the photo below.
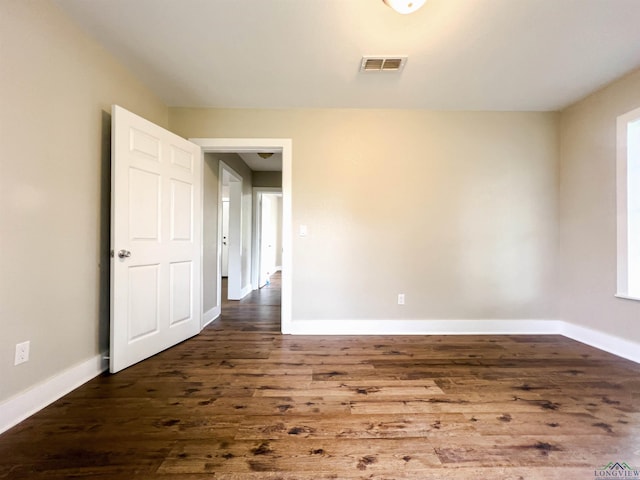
pixel 258 311
pixel 269 295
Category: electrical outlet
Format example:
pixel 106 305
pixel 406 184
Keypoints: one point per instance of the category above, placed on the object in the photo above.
pixel 22 353
pixel 401 299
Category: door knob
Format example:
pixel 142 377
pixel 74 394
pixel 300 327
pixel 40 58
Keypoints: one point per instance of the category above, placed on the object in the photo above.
pixel 124 254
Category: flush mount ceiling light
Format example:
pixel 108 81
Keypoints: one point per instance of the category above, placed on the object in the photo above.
pixel 404 6
pixel 265 155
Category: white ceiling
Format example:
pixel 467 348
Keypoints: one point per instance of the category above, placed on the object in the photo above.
pixel 463 54
pixel 256 163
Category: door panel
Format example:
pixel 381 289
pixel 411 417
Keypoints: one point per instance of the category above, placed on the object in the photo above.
pixel 181 292
pixel 143 294
pixel 144 203
pixel 155 239
pixel 181 210
pixel 182 158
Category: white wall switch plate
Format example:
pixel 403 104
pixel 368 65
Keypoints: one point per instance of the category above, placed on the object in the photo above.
pixel 401 299
pixel 303 230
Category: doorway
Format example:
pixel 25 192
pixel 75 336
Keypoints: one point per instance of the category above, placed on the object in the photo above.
pixel 270 238
pixel 283 146
pixel 267 239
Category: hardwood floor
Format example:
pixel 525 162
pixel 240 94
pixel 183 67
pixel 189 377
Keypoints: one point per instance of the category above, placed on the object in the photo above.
pixel 241 401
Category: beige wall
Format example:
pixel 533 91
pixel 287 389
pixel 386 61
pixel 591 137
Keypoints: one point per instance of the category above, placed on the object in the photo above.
pixel 267 179
pixel 56 89
pixel 210 227
pixel 278 221
pixel 588 212
pixel 457 210
pixel 210 180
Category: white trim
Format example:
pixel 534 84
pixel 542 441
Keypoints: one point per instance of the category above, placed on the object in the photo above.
pixel 595 338
pixel 621 203
pixel 211 315
pixel 203 320
pixel 287 237
pixel 426 327
pixel 23 405
pixel 624 146
pixel 284 145
pixel 603 341
pixel 626 297
pixel 246 290
pixel 218 238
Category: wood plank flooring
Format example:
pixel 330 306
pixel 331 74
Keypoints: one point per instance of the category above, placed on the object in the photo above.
pixel 241 401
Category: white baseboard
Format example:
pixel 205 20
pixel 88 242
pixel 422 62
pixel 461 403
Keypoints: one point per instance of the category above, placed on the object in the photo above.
pixel 211 315
pixel 25 404
pixel 21 406
pixel 603 341
pixel 424 327
pixel 246 290
pixel 595 338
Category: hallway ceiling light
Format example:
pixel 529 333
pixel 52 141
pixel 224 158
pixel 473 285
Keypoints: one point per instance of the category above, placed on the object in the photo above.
pixel 404 6
pixel 265 155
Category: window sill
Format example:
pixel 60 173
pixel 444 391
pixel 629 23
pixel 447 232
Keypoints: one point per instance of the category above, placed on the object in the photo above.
pixel 624 296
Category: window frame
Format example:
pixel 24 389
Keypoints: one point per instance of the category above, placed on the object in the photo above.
pixel 628 151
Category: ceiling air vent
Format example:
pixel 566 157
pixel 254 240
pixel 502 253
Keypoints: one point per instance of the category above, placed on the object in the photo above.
pixel 382 64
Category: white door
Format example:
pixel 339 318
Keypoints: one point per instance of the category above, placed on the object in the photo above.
pixel 155 239
pixel 225 238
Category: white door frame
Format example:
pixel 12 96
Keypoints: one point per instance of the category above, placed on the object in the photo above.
pixel 257 232
pixel 234 270
pixel 284 145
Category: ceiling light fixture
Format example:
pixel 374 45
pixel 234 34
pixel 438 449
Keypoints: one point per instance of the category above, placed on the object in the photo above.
pixel 265 155
pixel 404 6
